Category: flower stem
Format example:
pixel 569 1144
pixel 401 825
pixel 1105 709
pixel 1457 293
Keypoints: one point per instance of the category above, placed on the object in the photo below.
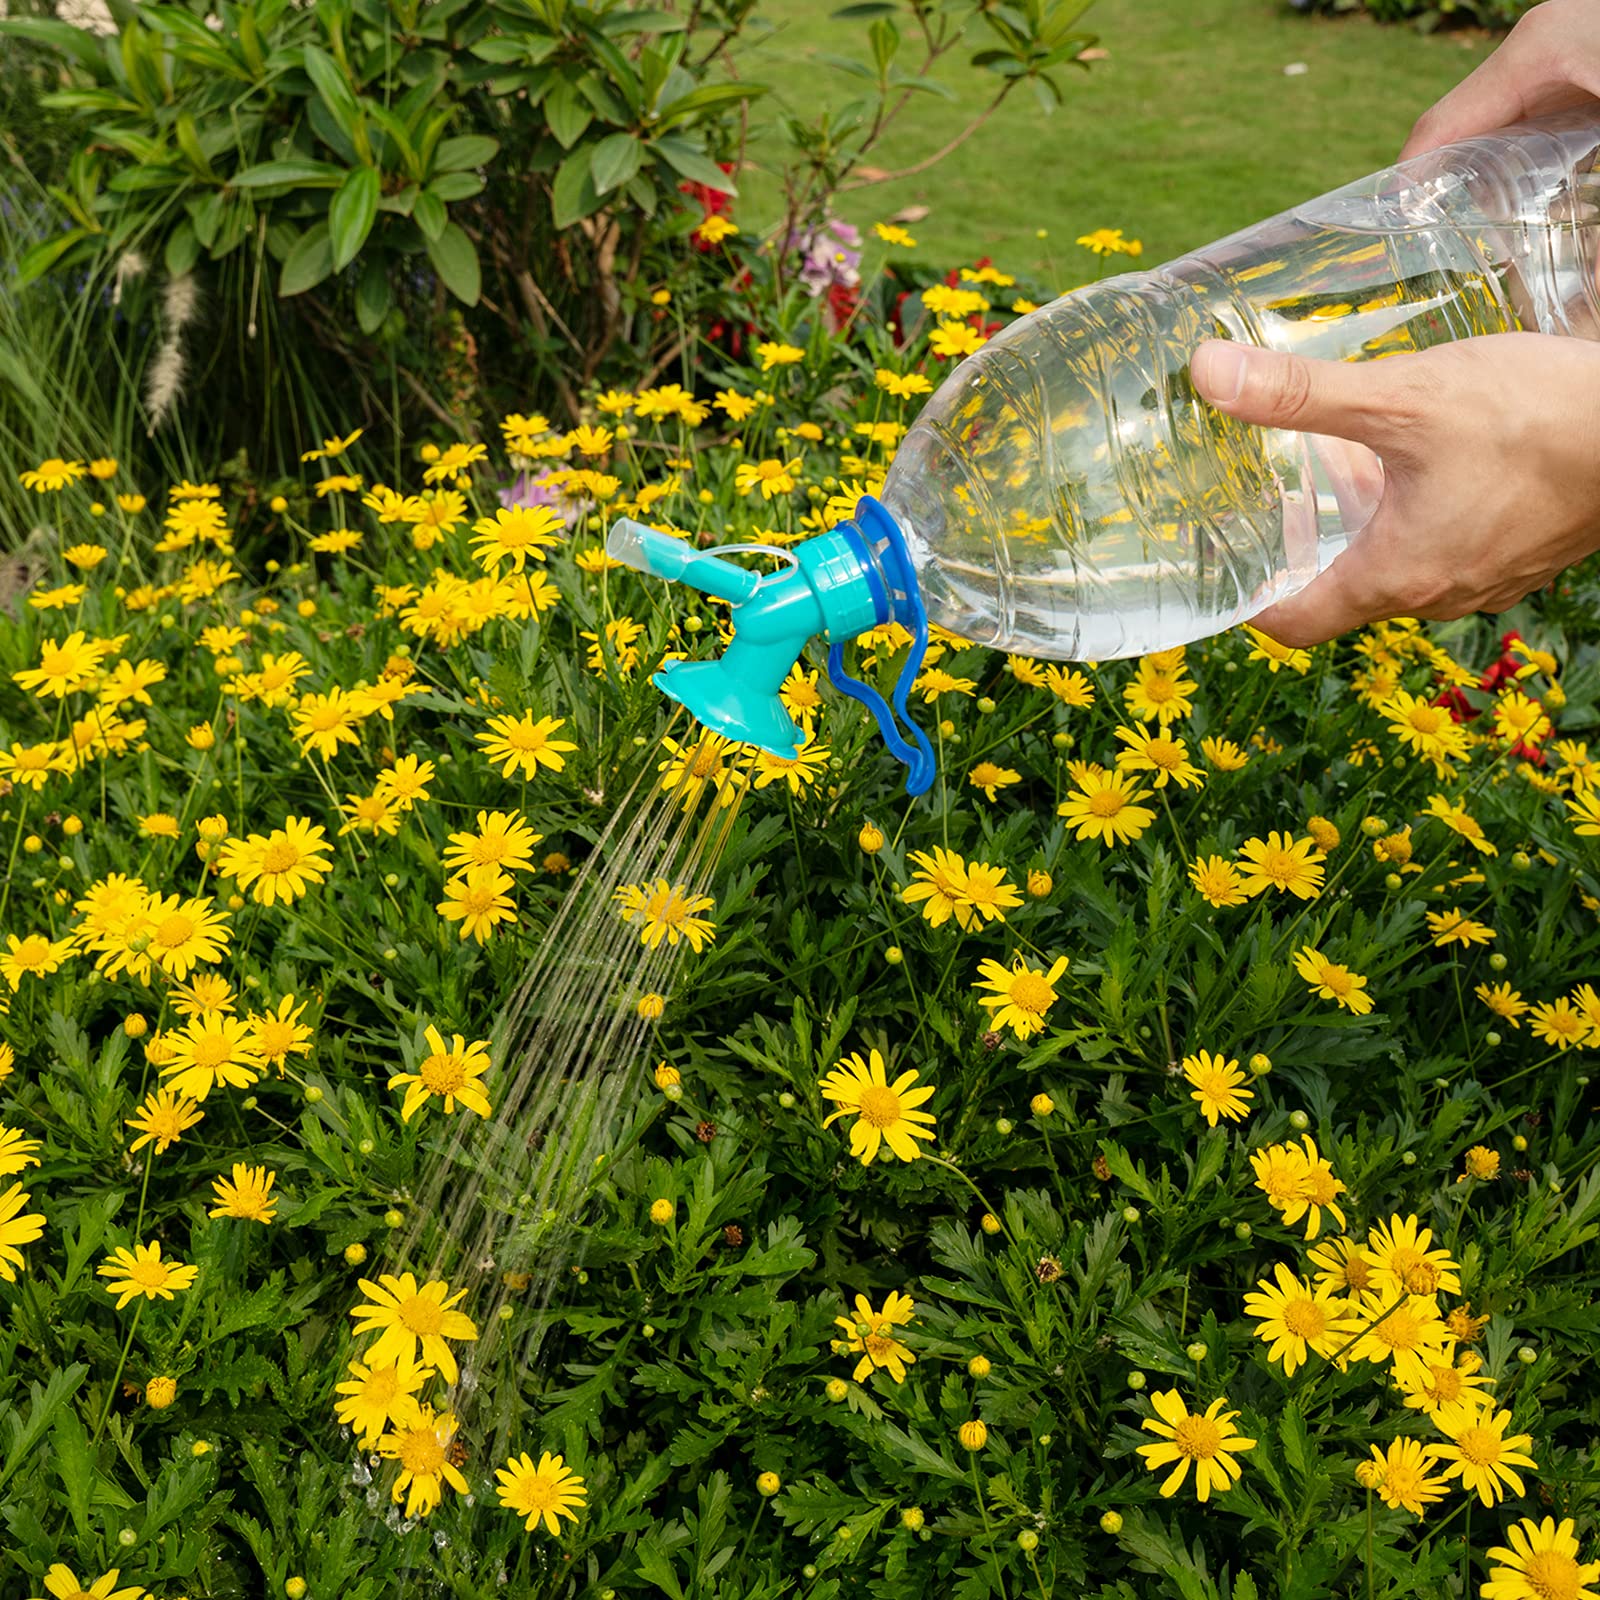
pixel 950 1166
pixel 988 1532
pixel 144 1189
pixel 1369 1544
pixel 111 1393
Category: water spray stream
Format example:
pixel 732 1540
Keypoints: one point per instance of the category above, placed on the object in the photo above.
pixel 500 1210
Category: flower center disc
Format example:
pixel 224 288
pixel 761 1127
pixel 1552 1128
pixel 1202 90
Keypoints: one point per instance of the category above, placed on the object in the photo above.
pixel 880 1106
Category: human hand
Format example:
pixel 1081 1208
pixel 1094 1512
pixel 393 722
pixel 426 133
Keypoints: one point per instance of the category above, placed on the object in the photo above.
pixel 1549 62
pixel 1490 451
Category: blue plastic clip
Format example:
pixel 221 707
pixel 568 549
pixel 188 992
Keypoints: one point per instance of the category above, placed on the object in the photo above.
pixel 877 529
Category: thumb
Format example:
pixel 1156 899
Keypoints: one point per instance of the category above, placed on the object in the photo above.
pixel 1338 599
pixel 1348 400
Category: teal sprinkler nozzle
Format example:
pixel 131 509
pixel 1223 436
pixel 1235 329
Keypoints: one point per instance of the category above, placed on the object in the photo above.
pixel 840 583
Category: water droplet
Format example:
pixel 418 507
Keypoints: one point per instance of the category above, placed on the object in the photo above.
pixel 439 1539
pixel 360 1472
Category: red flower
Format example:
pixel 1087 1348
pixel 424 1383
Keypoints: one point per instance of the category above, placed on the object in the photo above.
pixel 714 202
pixel 1456 702
pixel 842 302
pixel 1505 669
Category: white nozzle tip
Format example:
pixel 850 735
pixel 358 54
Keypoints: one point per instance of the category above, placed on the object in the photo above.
pixel 625 543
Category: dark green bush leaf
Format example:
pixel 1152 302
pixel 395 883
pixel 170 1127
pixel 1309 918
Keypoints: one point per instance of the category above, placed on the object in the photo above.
pixel 573 194
pixel 351 215
pixel 614 160
pixel 309 262
pixel 430 215
pixel 299 174
pixel 465 152
pixel 456 262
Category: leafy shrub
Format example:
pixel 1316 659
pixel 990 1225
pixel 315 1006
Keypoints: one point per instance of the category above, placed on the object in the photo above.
pixel 1429 14
pixel 441 199
pixel 776 1368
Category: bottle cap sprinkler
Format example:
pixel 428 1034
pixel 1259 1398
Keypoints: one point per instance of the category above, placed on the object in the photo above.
pixel 839 583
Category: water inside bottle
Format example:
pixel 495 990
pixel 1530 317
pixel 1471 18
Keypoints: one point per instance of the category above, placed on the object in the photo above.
pixel 1071 496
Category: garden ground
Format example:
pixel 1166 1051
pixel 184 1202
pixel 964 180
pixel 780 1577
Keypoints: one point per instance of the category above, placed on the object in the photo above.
pixel 1188 130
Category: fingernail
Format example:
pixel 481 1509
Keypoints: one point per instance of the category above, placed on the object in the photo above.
pixel 1218 370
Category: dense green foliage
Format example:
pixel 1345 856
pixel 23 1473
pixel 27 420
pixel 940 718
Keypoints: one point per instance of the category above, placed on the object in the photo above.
pixel 1429 14
pixel 671 1249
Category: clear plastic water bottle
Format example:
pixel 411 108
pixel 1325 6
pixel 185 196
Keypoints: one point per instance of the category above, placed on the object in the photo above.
pixel 1066 493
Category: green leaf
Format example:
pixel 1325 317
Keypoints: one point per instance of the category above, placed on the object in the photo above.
pixel 184 132
pixel 454 186
pixel 1212 1152
pixel 430 215
pixel 916 1452
pixel 74 1464
pixel 456 262
pixel 783 1253
pixel 502 51
pixel 572 195
pixel 44 255
pixel 300 174
pixel 182 249
pixel 1122 1167
pixel 1296 1444
pixel 399 135
pixel 691 162
pixel 20 1434
pixel 567 113
pixel 351 215
pixel 623 22
pixel 334 90
pixel 464 153
pixel 708 97
pixel 885 40
pixel 614 160
pixel 61 37
pixel 308 263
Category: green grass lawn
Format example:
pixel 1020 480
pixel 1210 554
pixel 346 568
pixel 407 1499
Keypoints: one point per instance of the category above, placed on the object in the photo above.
pixel 1186 132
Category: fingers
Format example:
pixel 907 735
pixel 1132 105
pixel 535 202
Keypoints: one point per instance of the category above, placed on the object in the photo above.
pixel 1551 59
pixel 1485 99
pixel 1374 403
pixel 1333 603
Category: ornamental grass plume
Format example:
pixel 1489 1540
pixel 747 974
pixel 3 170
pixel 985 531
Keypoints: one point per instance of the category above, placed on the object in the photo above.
pixel 180 300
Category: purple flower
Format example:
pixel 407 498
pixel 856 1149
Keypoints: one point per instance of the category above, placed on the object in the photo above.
pixel 528 489
pixel 830 254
